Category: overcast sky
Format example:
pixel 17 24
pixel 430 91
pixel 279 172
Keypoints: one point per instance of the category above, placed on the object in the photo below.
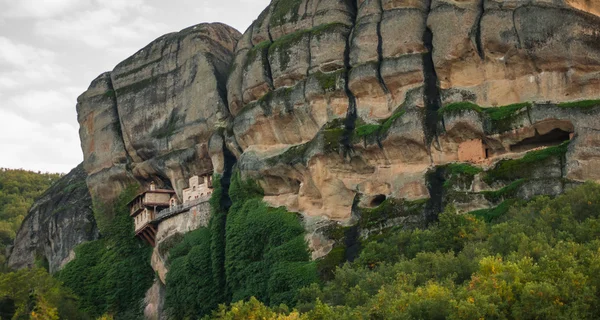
pixel 50 51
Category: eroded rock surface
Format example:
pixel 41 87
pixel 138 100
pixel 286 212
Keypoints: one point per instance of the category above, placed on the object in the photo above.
pixel 369 112
pixel 340 103
pixel 151 118
pixel 57 222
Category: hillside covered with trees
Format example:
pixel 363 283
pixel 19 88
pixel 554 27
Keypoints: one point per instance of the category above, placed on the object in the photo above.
pixel 532 260
pixel 540 260
pixel 18 191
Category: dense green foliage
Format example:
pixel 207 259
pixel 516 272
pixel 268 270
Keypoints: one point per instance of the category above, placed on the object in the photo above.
pixel 34 294
pixel 112 274
pixel 249 250
pixel 266 254
pixel 539 260
pixel 18 191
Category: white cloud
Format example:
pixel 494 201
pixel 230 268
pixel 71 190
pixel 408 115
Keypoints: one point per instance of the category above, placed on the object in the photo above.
pixel 39 9
pixel 19 55
pixel 106 24
pixel 24 65
pixel 120 5
pixel 50 50
pixel 42 104
pixel 34 146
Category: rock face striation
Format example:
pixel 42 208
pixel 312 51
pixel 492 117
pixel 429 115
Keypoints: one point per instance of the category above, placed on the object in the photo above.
pixel 57 222
pixel 151 118
pixel 337 105
pixel 367 112
pixel 339 102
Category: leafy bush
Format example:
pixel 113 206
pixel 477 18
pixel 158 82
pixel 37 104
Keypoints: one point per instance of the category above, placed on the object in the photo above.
pixel 248 250
pixel 18 191
pixel 539 260
pixel 35 294
pixel 111 274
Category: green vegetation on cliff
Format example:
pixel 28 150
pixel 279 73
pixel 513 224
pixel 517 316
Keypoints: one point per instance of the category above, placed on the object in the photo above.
pixel 265 256
pixel 539 260
pixel 285 11
pixel 112 274
pixel 522 168
pixel 18 191
pixel 35 294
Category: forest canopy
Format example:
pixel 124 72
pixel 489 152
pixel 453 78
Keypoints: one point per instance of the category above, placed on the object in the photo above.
pixel 18 190
pixel 541 260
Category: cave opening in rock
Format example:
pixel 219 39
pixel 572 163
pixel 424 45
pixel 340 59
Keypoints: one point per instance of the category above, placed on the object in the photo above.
pixel 552 138
pixel 377 200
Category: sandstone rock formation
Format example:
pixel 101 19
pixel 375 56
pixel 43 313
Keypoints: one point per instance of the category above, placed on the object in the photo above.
pixel 340 107
pixel 152 116
pixel 370 113
pixel 338 102
pixel 57 222
pixel 332 103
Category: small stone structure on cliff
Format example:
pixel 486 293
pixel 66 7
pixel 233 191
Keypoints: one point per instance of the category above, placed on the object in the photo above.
pixel 154 205
pixel 200 187
pixel 144 209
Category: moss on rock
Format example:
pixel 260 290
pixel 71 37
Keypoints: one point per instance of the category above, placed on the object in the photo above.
pixel 500 119
pixel 389 209
pixel 285 11
pixel 259 49
pixel 583 104
pixel 508 170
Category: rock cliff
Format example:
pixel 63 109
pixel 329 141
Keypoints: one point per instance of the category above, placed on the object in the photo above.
pixel 151 118
pixel 57 222
pixel 335 105
pixel 373 112
pixel 340 103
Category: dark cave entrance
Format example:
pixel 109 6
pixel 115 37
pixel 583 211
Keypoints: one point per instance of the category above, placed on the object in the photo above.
pixel 377 200
pixel 552 138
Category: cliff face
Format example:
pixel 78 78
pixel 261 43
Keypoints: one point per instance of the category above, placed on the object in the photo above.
pixel 57 222
pixel 333 100
pixel 378 112
pixel 335 104
pixel 151 118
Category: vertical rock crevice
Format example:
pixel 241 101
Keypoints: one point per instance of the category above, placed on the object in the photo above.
pixel 351 114
pixel 218 224
pixel 477 30
pixel 380 52
pixel 435 185
pixel 267 72
pixel 118 125
pixel 352 233
pixel 431 90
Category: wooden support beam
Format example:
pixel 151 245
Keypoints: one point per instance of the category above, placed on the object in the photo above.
pixel 152 237
pixel 148 239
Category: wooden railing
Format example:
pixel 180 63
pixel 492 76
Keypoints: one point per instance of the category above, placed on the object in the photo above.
pixel 180 208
